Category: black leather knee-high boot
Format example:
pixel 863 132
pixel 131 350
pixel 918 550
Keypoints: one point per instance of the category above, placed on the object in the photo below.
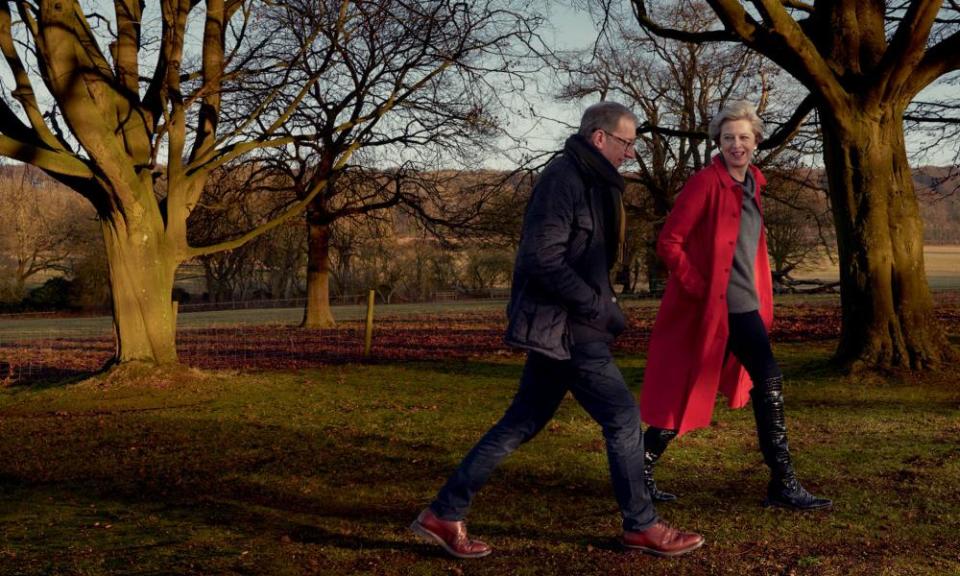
pixel 655 441
pixel 784 488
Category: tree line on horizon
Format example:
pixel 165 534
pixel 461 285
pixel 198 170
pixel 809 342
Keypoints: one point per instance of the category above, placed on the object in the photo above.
pixel 51 257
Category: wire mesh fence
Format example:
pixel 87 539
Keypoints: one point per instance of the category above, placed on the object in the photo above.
pixel 41 348
pixel 28 356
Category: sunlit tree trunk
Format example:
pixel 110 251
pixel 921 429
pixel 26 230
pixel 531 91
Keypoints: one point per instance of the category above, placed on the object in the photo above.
pixel 888 318
pixel 141 278
pixel 317 313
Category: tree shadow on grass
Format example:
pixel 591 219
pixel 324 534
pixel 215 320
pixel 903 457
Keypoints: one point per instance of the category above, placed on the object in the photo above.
pixel 46 376
pixel 249 478
pixel 356 491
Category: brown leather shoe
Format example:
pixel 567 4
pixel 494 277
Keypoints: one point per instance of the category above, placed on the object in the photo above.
pixel 452 535
pixel 662 540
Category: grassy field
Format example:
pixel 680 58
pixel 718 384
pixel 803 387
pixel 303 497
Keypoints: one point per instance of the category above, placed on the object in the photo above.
pixel 942 264
pixel 321 471
pixel 252 317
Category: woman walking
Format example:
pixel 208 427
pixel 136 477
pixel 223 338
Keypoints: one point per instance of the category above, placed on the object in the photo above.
pixel 711 330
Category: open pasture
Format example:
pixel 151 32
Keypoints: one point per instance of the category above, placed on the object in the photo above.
pixel 942 264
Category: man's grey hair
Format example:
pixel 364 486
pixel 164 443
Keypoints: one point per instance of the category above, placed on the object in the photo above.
pixel 605 116
pixel 736 110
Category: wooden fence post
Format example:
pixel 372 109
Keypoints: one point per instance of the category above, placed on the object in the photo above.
pixel 368 337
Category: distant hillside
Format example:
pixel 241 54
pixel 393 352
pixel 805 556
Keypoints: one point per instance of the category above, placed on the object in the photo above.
pixel 938 190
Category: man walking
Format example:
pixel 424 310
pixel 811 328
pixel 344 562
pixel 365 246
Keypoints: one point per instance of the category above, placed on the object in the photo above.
pixel 564 312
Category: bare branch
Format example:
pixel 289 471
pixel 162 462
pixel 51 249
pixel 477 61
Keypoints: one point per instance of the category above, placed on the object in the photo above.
pixel 789 129
pixel 640 11
pixel 127 46
pixel 295 209
pixel 798 5
pixel 165 83
pixel 906 50
pixel 940 59
pixel 928 120
pixel 214 37
pixel 24 90
pixel 49 160
pixel 783 40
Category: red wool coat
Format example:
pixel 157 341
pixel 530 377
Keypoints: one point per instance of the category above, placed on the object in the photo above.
pixel 687 362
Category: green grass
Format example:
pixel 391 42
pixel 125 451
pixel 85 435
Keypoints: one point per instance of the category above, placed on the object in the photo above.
pixel 320 472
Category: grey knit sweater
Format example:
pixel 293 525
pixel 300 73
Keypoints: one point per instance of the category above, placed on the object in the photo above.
pixel 742 292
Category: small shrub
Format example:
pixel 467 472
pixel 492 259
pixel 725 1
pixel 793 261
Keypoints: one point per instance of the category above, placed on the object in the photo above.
pixel 54 294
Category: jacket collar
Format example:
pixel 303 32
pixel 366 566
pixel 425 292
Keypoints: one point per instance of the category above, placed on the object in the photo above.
pixel 727 180
pixel 592 164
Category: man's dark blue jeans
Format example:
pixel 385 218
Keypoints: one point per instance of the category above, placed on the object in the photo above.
pixel 597 384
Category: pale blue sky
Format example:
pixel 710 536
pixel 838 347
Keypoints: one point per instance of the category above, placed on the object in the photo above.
pixel 568 29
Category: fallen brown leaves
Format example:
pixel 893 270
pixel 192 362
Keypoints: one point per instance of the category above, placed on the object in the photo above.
pixel 443 336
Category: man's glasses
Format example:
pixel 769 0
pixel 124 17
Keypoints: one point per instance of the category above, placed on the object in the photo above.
pixel 626 143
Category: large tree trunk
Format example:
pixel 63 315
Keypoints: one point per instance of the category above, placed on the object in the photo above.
pixel 888 318
pixel 141 281
pixel 21 284
pixel 317 313
pixel 656 270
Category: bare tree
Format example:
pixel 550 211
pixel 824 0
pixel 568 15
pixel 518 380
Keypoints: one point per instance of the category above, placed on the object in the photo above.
pixel 283 262
pixel 238 198
pixel 862 63
pixel 135 119
pixel 42 227
pixel 415 87
pixel 226 208
pixel 798 236
pixel 487 268
pixel 126 111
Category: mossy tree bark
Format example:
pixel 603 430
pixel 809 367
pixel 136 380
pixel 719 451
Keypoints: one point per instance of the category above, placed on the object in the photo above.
pixel 888 316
